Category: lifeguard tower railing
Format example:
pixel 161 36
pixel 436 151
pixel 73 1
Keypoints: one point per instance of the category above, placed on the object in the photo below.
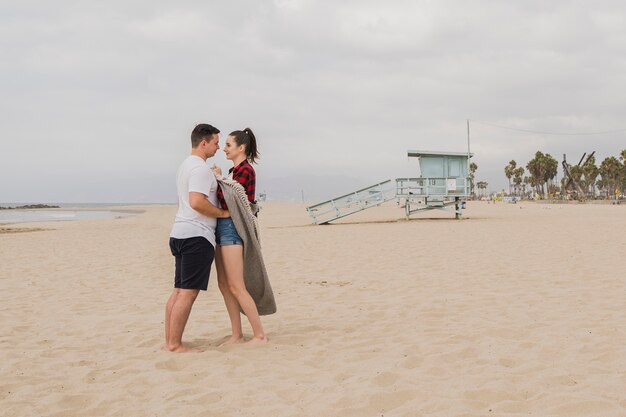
pixel 428 193
pixel 432 187
pixel 417 193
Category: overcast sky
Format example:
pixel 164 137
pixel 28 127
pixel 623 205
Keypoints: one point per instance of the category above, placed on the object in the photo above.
pixel 98 98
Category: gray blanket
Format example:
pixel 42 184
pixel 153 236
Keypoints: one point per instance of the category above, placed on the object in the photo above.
pixel 254 271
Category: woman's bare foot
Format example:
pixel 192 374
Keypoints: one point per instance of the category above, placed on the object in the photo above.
pixel 183 349
pixel 232 341
pixel 258 341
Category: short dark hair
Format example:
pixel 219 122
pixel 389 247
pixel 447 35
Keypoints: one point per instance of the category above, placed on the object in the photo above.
pixel 201 132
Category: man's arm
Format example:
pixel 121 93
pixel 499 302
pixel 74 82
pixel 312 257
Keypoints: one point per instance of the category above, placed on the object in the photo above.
pixel 199 203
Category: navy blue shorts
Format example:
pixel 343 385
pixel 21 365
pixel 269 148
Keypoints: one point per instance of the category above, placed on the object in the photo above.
pixel 194 257
pixel 226 234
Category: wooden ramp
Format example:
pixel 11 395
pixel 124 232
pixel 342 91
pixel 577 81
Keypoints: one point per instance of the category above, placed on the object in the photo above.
pixel 354 202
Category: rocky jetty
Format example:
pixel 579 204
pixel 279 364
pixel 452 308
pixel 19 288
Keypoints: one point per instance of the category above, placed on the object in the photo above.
pixel 29 206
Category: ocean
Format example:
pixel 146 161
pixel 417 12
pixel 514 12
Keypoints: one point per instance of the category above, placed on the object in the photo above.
pixel 66 212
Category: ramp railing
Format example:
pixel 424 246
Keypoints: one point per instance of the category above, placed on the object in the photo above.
pixel 351 203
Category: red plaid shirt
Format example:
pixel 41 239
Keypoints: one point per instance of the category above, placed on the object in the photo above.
pixel 245 175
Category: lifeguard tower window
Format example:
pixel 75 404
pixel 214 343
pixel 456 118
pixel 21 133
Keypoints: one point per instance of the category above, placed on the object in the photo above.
pixel 454 168
pixel 432 167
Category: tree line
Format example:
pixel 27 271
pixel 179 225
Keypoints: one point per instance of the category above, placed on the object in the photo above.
pixel 539 175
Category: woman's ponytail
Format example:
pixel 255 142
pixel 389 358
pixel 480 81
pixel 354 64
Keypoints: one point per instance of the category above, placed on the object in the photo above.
pixel 246 137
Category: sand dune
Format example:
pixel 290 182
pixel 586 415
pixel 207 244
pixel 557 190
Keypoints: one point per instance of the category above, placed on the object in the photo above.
pixel 516 310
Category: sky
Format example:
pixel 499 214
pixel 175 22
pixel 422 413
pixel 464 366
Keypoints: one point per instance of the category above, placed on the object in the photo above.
pixel 99 98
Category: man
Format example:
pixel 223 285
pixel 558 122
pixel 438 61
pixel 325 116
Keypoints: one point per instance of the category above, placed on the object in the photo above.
pixel 192 239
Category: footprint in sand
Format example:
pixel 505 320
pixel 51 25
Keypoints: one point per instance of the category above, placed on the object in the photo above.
pixel 507 362
pixel 585 408
pixel 92 377
pixel 211 398
pixel 412 362
pixel 385 379
pixel 491 396
pixel 169 365
pixel 183 394
pixel 387 401
pixel 329 283
pixel 342 377
pixel 564 380
pixel 151 343
pixel 74 401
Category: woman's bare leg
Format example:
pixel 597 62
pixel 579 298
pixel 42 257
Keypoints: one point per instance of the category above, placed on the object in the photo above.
pixel 232 306
pixel 232 262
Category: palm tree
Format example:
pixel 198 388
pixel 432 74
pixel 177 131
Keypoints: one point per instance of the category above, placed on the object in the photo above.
pixel 601 183
pixel 482 185
pixel 576 172
pixel 591 172
pixel 518 173
pixel 473 168
pixel 551 167
pixel 543 169
pixel 611 171
pixel 622 157
pixel 534 168
pixel 527 182
pixel 509 170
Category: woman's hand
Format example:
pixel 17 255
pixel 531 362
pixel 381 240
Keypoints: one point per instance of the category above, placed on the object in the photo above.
pixel 216 170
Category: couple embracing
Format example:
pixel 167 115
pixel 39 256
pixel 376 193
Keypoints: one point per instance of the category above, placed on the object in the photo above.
pixel 216 219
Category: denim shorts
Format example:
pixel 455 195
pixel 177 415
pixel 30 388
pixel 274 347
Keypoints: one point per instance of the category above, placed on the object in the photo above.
pixel 226 234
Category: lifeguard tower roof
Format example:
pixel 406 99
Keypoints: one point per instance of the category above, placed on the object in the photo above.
pixel 438 164
pixel 436 153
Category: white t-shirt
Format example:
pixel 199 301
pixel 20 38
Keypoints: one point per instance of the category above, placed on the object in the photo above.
pixel 194 175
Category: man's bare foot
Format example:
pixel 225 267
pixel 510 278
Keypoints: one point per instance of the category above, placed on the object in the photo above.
pixel 258 341
pixel 232 340
pixel 183 349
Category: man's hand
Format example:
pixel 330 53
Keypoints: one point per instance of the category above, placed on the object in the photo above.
pixel 199 203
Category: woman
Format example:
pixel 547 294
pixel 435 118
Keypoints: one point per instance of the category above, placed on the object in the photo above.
pixel 241 149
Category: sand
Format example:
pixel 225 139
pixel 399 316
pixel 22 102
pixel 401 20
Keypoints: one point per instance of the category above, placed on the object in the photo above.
pixel 516 310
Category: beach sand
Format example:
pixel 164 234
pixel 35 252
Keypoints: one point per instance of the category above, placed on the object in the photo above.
pixel 519 309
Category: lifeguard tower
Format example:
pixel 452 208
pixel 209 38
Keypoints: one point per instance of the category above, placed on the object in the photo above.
pixel 442 182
